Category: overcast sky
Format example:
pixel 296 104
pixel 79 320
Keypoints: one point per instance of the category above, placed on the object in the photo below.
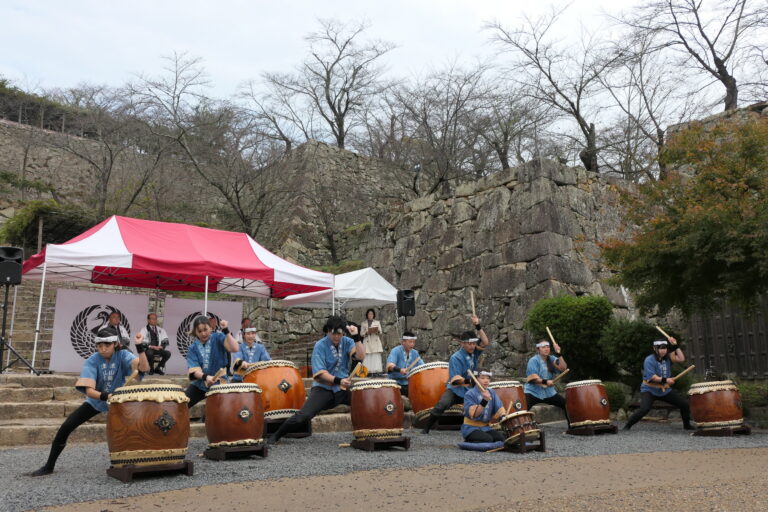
pixel 49 43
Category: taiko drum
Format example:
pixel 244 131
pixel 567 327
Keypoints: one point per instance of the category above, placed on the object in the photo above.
pixel 426 383
pixel 716 404
pixel 510 392
pixel 377 409
pixel 282 388
pixel 586 403
pixel 234 415
pixel 519 424
pixel 147 425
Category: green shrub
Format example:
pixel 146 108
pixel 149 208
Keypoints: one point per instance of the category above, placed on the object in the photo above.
pixel 753 394
pixel 60 224
pixel 617 397
pixel 576 324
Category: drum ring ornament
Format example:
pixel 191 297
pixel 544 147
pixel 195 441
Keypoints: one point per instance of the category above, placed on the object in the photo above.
pixel 604 401
pixel 165 422
pixel 245 414
pixel 284 386
pixel 389 408
pixel 518 405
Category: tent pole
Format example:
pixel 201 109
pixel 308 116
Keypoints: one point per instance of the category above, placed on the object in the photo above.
pixel 205 304
pixel 333 297
pixel 270 321
pixel 13 317
pixel 39 313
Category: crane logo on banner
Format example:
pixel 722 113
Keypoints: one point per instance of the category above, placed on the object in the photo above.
pixel 183 337
pixel 87 324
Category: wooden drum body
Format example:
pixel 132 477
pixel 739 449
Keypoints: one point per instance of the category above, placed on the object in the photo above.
pixel 586 402
pixel 282 388
pixel 426 384
pixel 519 424
pixel 716 404
pixel 234 415
pixel 148 425
pixel 377 409
pixel 510 391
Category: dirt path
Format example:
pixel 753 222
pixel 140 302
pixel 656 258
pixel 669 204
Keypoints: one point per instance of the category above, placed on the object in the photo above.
pixel 685 481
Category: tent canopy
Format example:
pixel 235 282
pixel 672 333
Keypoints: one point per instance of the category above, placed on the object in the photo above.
pixel 359 289
pixel 148 254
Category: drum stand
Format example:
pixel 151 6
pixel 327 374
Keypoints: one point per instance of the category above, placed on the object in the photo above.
pixel 741 430
pixel 523 446
pixel 593 430
pixel 223 452
pixel 372 444
pixel 126 474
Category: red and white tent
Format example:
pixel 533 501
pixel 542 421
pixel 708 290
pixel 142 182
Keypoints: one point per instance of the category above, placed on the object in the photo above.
pixel 148 254
pixel 122 251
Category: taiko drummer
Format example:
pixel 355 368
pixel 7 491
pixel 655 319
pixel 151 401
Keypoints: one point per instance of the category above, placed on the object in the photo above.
pixel 402 359
pixel 657 379
pixel 251 351
pixel 207 355
pixel 460 364
pixel 330 364
pixel 102 373
pixel 542 368
pixel 480 408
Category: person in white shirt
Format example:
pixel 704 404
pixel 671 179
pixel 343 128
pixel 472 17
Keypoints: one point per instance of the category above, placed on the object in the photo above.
pixel 157 339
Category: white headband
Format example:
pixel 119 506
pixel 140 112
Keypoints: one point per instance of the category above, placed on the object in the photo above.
pixel 409 337
pixel 483 372
pixel 660 342
pixel 249 329
pixel 471 340
pixel 542 344
pixel 108 339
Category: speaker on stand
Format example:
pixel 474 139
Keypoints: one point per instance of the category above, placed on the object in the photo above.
pixel 406 304
pixel 11 259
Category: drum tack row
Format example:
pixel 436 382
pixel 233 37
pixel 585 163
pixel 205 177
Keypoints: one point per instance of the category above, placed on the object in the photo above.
pixel 148 425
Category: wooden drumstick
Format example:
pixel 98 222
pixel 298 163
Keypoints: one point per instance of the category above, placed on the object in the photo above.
pixel 477 383
pixel 132 378
pixel 554 381
pixel 220 375
pixel 682 373
pixel 472 298
pixel 550 335
pixel 412 365
pixel 662 332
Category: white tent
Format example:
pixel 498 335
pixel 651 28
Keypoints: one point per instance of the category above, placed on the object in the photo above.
pixel 358 289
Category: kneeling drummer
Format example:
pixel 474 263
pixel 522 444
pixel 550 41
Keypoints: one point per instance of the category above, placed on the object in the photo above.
pixel 480 407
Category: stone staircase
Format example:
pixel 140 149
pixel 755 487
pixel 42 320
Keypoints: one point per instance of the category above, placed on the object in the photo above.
pixel 33 407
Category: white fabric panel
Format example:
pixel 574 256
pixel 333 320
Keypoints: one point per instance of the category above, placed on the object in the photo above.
pixel 103 248
pixel 286 271
pixel 358 289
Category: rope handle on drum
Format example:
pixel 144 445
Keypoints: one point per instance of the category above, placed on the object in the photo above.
pixel 665 386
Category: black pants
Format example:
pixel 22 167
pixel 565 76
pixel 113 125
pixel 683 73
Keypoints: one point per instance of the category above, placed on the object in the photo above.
pixel 646 402
pixel 151 353
pixel 319 399
pixel 478 436
pixel 556 400
pixel 74 420
pixel 404 389
pixel 195 394
pixel 448 399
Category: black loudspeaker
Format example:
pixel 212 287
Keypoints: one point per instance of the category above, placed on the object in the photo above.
pixel 11 259
pixel 406 303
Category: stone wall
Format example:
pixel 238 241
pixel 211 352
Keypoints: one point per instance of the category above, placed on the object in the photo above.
pixel 513 238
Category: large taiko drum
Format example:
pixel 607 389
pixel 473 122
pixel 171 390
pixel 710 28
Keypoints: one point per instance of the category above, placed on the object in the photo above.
pixel 519 424
pixel 510 392
pixel 426 384
pixel 716 404
pixel 586 403
pixel 282 388
pixel 147 425
pixel 234 415
pixel 377 409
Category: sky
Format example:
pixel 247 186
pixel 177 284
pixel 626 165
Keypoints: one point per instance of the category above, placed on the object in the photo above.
pixel 53 43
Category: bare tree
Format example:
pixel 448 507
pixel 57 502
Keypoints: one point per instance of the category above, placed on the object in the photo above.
pixel 564 77
pixel 338 79
pixel 715 38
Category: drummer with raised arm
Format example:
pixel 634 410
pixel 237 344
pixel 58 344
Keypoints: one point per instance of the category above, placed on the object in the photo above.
pixel 542 368
pixel 657 379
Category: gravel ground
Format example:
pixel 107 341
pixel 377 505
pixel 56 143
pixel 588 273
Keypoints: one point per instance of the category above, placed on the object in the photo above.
pixel 80 474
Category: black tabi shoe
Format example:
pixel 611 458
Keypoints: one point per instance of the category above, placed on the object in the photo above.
pixel 41 472
pixel 151 372
pixel 159 371
pixel 272 440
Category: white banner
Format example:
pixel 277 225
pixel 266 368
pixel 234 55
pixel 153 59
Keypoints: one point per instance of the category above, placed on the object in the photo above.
pixel 179 314
pixel 78 317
